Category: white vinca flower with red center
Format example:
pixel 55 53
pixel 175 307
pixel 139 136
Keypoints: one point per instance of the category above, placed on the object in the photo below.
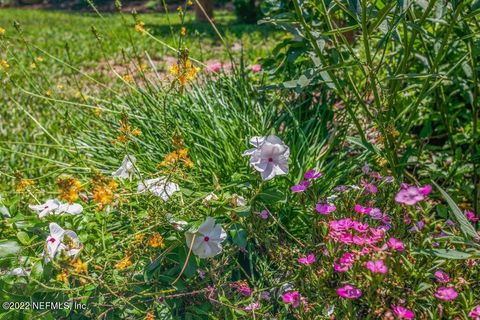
pixel 207 241
pixel 127 168
pixel 269 157
pixel 53 206
pixel 59 241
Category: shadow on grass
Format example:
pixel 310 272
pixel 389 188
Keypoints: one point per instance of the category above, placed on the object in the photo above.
pixel 237 29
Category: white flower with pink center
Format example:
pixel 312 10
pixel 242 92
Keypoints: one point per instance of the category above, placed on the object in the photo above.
pixel 269 157
pixel 59 241
pixel 207 241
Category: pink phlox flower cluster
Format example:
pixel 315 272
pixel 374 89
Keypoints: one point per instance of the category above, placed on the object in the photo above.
pixel 410 195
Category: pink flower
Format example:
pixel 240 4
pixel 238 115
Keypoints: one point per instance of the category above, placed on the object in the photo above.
pixel 292 297
pixel 411 195
pixel 213 66
pixel 471 216
pixel 475 313
pixel 446 294
pixel 325 208
pixel 242 287
pixel 377 266
pixel 369 187
pixel 349 292
pixel 312 174
pixel 425 190
pixel 256 68
pixel 308 260
pixel 264 214
pixel 361 209
pixel 252 306
pixel 396 244
pixel 402 312
pixel 302 186
pixel 441 276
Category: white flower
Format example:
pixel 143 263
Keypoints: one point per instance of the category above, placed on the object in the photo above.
pixel 61 240
pixel 20 272
pixel 56 207
pixel 209 197
pixel 269 157
pixel 238 201
pixel 159 187
pixel 127 168
pixel 208 239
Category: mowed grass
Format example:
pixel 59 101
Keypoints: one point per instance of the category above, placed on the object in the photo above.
pixel 62 64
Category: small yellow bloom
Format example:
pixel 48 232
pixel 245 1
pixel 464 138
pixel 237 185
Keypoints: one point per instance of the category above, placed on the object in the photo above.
pixel 48 93
pixel 128 77
pixel 62 277
pixel 124 263
pixel 39 59
pixel 156 241
pixel 139 238
pixel 23 185
pixel 103 191
pixel 4 65
pixel 143 66
pixel 2 31
pixel 150 316
pixel 60 86
pixel 68 188
pixel 97 111
pixel 179 9
pixel 140 27
pixel 183 31
pixel 33 65
pixel 136 132
pixel 189 3
pixel 80 267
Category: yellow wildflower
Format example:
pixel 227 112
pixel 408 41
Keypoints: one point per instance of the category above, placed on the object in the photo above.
pixel 183 31
pixel 128 77
pixel 23 185
pixel 143 66
pixel 177 156
pixel 2 31
pixel 33 65
pixel 39 59
pixel 97 111
pixel 62 277
pixel 69 188
pixel 124 263
pixel 4 65
pixel 140 27
pixel 139 238
pixel 189 3
pixel 80 267
pixel 60 86
pixel 156 241
pixel 150 316
pixel 48 93
pixel 136 132
pixel 103 191
pixel 184 71
pixel 179 9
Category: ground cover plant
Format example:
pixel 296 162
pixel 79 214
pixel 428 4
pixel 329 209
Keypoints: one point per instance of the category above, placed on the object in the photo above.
pixel 325 169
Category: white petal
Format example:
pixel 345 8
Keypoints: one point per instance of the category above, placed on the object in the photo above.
pixel 269 173
pixel 257 141
pixel 56 231
pixel 74 208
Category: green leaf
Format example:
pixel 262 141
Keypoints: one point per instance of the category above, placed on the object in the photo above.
pixel 8 247
pixel 23 237
pixel 447 254
pixel 467 229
